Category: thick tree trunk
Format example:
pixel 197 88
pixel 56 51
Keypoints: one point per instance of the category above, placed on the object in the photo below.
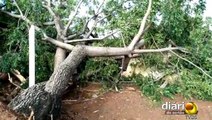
pixel 59 80
pixel 44 98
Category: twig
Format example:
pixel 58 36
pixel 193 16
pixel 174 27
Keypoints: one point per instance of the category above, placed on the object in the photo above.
pixel 191 64
pixel 18 75
pixel 58 43
pixel 31 117
pixel 164 84
pixel 11 14
pixel 123 40
pixel 100 7
pixel 11 81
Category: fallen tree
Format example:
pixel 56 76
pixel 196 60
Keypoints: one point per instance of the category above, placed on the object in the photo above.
pixel 44 99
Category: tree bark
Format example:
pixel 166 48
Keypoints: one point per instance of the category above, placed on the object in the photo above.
pixel 59 80
pixel 59 57
pixel 45 98
pixel 60 53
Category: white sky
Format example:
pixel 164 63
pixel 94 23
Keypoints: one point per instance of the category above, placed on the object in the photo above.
pixel 208 11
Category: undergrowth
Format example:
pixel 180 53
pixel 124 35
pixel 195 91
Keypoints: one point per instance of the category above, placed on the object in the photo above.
pixel 191 84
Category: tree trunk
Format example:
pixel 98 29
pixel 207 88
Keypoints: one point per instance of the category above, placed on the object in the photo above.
pixel 59 57
pixel 60 54
pixel 59 80
pixel 45 98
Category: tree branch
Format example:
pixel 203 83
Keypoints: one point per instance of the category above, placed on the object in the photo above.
pixel 59 43
pixel 24 18
pixel 57 21
pixel 92 28
pixel 71 19
pixel 192 64
pixel 141 29
pixel 96 21
pixel 100 7
pixel 80 33
pixel 52 22
pixel 93 39
pixel 139 44
pixel 11 14
pixel 109 51
pixel 18 8
pixel 137 51
pixel 83 30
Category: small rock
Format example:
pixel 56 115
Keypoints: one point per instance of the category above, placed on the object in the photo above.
pixel 94 96
pixel 95 111
pixel 130 88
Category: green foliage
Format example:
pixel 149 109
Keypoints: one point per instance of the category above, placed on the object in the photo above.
pixel 190 86
pixel 101 70
pixel 148 87
pixel 181 23
pixel 196 86
pixel 16 54
pixel 44 61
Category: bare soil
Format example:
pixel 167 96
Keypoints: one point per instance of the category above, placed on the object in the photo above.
pixel 92 103
pixel 127 104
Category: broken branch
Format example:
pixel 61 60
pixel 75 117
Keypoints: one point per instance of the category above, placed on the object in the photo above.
pixel 11 81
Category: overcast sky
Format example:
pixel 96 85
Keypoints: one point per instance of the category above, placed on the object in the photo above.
pixel 208 11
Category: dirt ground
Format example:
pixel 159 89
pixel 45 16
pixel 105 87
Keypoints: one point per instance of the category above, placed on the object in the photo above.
pixel 91 103
pixel 127 104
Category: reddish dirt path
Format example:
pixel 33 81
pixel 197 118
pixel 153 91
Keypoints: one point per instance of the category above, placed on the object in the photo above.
pixel 128 104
